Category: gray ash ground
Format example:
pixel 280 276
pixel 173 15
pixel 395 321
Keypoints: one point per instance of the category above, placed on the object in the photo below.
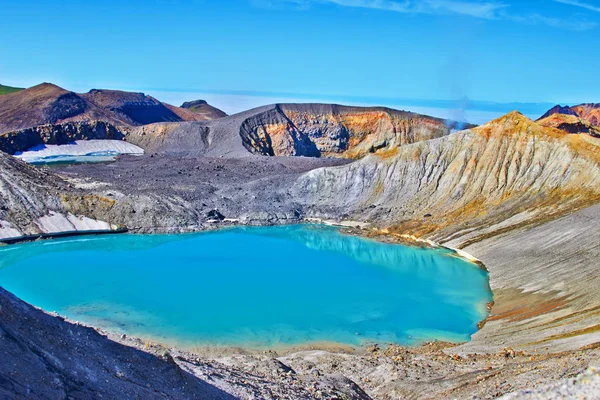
pixel 253 189
pixel 181 173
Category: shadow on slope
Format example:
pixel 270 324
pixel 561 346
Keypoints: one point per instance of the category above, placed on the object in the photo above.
pixel 44 357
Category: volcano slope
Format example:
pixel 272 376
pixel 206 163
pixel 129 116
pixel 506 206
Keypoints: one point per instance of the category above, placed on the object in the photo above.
pixel 463 187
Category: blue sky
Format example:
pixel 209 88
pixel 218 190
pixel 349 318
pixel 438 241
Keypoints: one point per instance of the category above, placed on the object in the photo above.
pixel 392 52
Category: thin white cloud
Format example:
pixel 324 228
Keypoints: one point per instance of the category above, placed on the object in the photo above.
pixel 537 19
pixel 485 10
pixel 581 4
pixel 490 10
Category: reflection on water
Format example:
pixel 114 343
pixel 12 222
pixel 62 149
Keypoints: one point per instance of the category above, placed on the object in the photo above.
pixel 257 287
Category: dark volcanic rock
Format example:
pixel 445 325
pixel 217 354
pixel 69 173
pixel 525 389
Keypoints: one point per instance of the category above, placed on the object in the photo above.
pixel 12 142
pixel 215 214
pixel 133 108
pixel 45 357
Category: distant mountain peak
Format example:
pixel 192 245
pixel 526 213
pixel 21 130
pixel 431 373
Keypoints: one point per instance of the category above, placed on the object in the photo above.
pixel 202 108
pixel 48 103
pixel 587 118
pixel 558 109
pixel 193 103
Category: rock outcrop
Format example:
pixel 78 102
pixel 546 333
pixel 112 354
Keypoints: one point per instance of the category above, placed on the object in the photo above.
pixel 316 130
pixel 589 112
pixel 570 124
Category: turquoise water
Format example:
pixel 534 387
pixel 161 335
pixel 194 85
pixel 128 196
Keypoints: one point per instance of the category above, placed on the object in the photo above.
pixel 68 159
pixel 252 287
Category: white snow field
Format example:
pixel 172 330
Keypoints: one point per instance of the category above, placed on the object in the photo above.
pixel 105 149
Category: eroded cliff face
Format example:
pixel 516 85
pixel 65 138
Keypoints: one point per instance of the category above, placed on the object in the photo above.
pixel 316 130
pixel 21 140
pixel 466 185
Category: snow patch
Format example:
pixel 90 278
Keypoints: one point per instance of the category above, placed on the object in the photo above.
pixel 7 231
pixel 98 148
pixel 57 223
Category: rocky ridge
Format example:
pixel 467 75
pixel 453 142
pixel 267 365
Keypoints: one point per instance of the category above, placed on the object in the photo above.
pixel 49 104
pixel 465 185
pixel 570 124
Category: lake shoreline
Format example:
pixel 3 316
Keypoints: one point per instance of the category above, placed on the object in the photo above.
pixel 343 347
